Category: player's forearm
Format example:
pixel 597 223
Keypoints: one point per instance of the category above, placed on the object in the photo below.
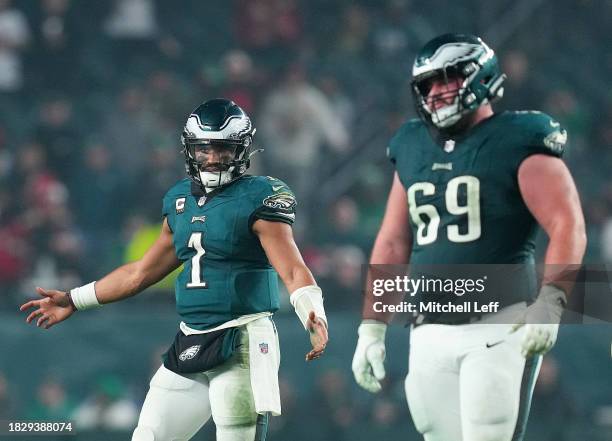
pixel 121 283
pixel 297 277
pixel 390 251
pixel 305 295
pixel 566 247
pixel 386 252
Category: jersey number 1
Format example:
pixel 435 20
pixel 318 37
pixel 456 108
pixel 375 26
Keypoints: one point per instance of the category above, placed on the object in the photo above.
pixel 427 232
pixel 195 242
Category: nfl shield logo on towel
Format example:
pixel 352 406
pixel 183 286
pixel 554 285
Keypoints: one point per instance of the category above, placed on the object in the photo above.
pixel 263 348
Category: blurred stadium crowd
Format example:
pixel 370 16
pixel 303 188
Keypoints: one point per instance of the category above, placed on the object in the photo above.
pixel 93 96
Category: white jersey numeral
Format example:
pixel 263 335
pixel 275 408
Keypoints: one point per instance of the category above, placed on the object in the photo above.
pixel 427 229
pixel 195 242
pixel 427 232
pixel 471 208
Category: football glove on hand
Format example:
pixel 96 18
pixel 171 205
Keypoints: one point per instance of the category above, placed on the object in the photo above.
pixel 541 321
pixel 368 361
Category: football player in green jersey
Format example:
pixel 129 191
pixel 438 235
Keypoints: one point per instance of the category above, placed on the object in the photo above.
pixel 232 234
pixel 471 187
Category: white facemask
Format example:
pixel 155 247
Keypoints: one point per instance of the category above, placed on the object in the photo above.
pixel 445 116
pixel 212 180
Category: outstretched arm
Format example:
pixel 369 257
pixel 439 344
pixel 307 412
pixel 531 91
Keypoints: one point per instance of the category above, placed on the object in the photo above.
pixel 277 241
pixel 132 278
pixel 123 282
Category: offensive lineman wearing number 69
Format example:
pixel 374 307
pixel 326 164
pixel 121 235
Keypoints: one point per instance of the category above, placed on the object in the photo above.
pixel 232 232
pixel 471 187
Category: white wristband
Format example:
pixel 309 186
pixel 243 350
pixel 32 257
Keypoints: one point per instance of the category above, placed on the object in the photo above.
pixel 306 299
pixel 84 297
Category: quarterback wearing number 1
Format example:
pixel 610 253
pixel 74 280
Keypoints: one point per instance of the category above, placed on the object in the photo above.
pixel 471 187
pixel 232 233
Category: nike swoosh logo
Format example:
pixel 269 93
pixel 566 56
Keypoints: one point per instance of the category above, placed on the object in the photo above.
pixel 490 345
pixel 276 187
pixel 554 124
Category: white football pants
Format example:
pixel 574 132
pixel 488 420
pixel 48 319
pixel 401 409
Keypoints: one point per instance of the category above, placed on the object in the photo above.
pixel 177 406
pixel 469 382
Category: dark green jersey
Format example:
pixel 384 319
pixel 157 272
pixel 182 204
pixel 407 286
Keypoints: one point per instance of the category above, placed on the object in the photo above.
pixel 463 195
pixel 226 273
pixel 465 204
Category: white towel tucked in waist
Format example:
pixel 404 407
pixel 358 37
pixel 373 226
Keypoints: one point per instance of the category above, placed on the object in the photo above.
pixel 264 361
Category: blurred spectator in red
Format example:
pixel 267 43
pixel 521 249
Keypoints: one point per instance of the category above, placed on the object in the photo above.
pixel 238 79
pixel 268 26
pixel 41 190
pixel 13 233
pixel 254 27
pixel 50 244
pixel 288 21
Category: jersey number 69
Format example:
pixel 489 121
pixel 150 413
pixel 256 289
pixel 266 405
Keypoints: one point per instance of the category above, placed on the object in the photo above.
pixel 427 229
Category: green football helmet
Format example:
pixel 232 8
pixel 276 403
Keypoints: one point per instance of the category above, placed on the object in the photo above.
pixel 452 56
pixel 222 123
